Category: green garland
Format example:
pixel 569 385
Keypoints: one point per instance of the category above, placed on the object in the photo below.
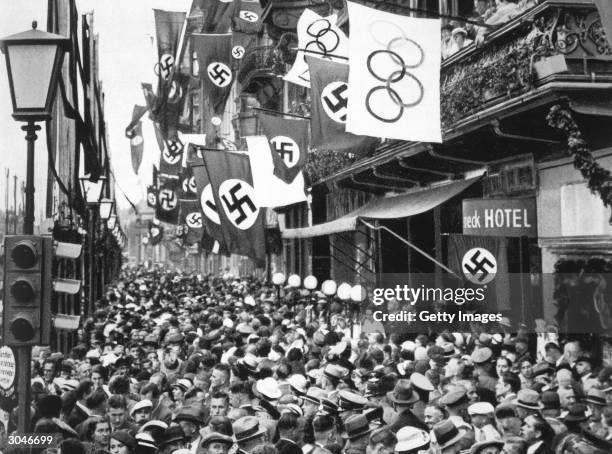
pixel 502 70
pixel 599 179
pixel 321 164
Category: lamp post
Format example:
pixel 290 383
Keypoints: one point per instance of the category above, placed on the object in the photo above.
pixel 358 295
pixel 92 192
pixel 344 294
pixel 106 209
pixel 310 283
pixel 33 62
pixel 329 288
pixel 278 279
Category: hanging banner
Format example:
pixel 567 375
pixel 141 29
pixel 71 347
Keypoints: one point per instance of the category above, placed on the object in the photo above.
pixel 171 159
pixel 329 107
pixel 394 77
pixel 208 205
pixel 151 101
pixel 189 189
pixel 247 16
pixel 168 28
pixel 192 219
pixel 241 219
pixel 270 190
pixel 214 60
pixel 322 38
pixel 136 146
pixel 137 114
pixel 156 232
pixel 289 143
pixel 152 196
pixel 167 209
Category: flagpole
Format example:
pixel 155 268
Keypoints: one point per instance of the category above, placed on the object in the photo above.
pixel 276 112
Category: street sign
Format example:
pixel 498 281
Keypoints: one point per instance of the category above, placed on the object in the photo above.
pixel 500 217
pixel 8 367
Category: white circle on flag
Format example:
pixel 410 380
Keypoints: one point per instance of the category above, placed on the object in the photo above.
pixel 479 266
pixel 167 199
pixel 135 141
pixel 238 52
pixel 165 65
pixel 219 74
pixel 237 198
pixel 248 16
pixel 192 185
pixel 171 158
pixel 209 208
pixel 334 101
pixel 8 368
pixel 194 220
pixel 152 198
pixel 288 150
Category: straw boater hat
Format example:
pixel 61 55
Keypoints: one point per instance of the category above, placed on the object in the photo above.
pixel 246 428
pixel 411 438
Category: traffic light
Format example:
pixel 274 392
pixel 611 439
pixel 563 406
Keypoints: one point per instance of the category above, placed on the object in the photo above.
pixel 27 290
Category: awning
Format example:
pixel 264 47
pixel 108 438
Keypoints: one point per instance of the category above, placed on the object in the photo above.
pixel 395 207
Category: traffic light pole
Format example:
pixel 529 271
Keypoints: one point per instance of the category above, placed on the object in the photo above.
pixel 28 223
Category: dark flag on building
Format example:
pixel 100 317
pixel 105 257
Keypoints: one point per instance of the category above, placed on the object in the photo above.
pixel 192 219
pixel 168 27
pixel 167 209
pixel 136 146
pixel 137 114
pixel 214 60
pixel 211 220
pixel 171 159
pixel 329 84
pixel 288 142
pixel 189 190
pixel 242 222
pixel 247 16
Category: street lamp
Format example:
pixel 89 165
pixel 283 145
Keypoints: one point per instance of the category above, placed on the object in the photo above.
pixel 92 190
pixel 329 288
pixel 358 295
pixel 106 208
pixel 278 279
pixel 112 221
pixel 33 63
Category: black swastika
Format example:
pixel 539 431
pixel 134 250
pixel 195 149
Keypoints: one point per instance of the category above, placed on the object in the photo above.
pixel 284 149
pixel 219 74
pixel 340 102
pixel 479 266
pixel 237 203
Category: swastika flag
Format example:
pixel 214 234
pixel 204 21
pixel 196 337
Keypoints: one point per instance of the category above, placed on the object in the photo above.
pixel 329 86
pixel 215 67
pixel 167 209
pixel 271 191
pixel 242 221
pixel 394 78
pixel 289 144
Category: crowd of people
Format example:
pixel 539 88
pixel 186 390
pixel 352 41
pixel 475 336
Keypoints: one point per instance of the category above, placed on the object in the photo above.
pixel 489 13
pixel 182 363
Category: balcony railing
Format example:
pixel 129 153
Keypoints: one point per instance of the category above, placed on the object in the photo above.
pixel 260 62
pixel 519 56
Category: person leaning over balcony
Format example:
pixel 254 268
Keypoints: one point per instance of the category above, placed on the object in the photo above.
pixel 447 41
pixel 460 39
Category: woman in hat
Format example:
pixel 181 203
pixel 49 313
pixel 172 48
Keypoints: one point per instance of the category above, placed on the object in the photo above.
pixel 121 442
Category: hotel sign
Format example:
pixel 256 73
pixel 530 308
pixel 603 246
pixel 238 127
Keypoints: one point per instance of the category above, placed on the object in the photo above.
pixel 500 217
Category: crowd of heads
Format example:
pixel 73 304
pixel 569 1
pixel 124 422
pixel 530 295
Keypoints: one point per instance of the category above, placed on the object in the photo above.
pixel 181 363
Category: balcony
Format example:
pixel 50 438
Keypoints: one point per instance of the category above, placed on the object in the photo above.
pixel 260 74
pixel 495 97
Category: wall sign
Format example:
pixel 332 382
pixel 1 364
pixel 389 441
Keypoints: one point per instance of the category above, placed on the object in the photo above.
pixel 500 217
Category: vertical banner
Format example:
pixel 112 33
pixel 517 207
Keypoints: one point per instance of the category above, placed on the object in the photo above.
pixel 171 159
pixel 242 220
pixel 151 101
pixel 167 209
pixel 270 190
pixel 394 77
pixel 318 37
pixel 288 142
pixel 214 60
pixel 247 16
pixel 329 108
pixel 191 217
pixel 136 146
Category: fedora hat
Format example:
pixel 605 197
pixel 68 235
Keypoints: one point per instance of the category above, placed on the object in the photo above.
pixel 447 434
pixel 246 428
pixel 191 414
pixel 478 447
pixel 576 413
pixel 551 401
pixel 216 437
pixel 171 435
pixel 356 426
pixel 403 393
pixel 596 397
pixel 528 398
pixel 410 438
pixel 314 395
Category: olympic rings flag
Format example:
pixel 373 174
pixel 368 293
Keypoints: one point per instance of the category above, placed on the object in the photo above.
pixel 394 76
pixel 321 37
